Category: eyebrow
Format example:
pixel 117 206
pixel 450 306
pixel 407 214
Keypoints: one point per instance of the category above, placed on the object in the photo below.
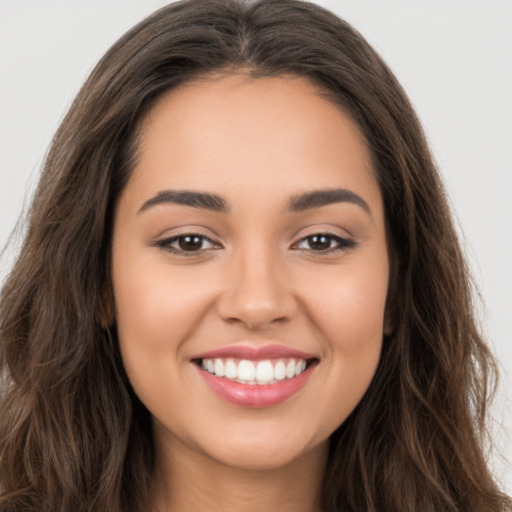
pixel 319 198
pixel 299 203
pixel 202 200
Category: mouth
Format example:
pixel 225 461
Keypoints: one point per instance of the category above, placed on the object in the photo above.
pixel 251 372
pixel 255 377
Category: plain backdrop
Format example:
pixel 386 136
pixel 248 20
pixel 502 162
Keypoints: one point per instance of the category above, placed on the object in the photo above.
pixel 454 58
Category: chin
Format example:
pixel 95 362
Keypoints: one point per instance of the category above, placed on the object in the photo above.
pixel 264 451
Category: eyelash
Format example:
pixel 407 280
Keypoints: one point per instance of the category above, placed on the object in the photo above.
pixel 166 244
pixel 343 244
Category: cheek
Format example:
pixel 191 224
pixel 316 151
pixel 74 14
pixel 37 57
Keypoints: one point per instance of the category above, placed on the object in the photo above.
pixel 157 309
pixel 155 300
pixel 348 306
pixel 157 313
pixel 352 327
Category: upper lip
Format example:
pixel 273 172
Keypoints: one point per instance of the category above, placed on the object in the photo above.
pixel 250 352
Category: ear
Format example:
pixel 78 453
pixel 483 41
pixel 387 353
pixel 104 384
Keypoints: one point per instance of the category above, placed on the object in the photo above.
pixel 389 326
pixel 106 310
pixel 391 309
pixel 390 313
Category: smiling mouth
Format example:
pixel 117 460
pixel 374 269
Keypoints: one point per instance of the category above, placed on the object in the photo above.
pixel 253 372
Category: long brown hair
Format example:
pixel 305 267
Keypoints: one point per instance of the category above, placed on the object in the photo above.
pixel 74 437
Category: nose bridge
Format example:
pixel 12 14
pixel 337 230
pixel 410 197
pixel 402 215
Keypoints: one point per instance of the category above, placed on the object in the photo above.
pixel 257 291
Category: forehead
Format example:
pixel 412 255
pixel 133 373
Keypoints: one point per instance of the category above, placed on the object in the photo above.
pixel 241 134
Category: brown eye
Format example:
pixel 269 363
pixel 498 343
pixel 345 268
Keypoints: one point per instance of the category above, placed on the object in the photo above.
pixel 324 242
pixel 319 242
pixel 187 244
pixel 190 242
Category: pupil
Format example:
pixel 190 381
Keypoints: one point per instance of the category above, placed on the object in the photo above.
pixel 320 242
pixel 190 243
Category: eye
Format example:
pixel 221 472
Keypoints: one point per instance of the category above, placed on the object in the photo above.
pixel 323 242
pixel 187 244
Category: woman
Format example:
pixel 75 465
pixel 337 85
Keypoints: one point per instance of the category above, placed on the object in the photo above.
pixel 241 287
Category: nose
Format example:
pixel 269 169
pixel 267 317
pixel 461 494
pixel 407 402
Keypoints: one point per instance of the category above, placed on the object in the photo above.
pixel 257 291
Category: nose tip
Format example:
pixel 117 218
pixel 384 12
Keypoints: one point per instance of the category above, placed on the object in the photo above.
pixel 253 314
pixel 257 295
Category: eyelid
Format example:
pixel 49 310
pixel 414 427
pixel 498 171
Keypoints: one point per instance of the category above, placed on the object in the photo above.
pixel 165 244
pixel 344 243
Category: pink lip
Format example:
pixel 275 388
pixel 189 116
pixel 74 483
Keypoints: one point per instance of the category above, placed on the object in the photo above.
pixel 255 395
pixel 254 353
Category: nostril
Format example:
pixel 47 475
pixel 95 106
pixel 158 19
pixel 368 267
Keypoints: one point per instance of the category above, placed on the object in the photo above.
pixel 256 303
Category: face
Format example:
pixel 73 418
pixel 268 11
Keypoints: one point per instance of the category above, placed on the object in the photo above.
pixel 250 270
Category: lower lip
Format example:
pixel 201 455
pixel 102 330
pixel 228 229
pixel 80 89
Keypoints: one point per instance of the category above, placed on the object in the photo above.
pixel 255 395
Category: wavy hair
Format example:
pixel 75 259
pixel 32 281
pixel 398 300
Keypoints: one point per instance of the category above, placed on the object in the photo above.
pixel 73 435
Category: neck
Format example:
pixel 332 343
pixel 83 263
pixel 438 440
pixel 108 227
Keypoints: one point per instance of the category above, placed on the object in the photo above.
pixel 193 481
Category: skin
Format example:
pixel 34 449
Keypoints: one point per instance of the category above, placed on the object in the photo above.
pixel 256 143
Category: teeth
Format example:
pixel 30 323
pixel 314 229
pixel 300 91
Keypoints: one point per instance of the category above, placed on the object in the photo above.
pixel 246 370
pixel 290 369
pixel 279 371
pixel 300 367
pixel 219 367
pixel 264 372
pixel 231 370
pixel 255 372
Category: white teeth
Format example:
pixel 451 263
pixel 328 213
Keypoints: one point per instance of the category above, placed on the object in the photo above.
pixel 279 371
pixel 246 370
pixel 255 372
pixel 219 368
pixel 290 369
pixel 231 370
pixel 300 367
pixel 264 372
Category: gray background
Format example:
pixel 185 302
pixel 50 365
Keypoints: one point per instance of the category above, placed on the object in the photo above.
pixel 454 58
